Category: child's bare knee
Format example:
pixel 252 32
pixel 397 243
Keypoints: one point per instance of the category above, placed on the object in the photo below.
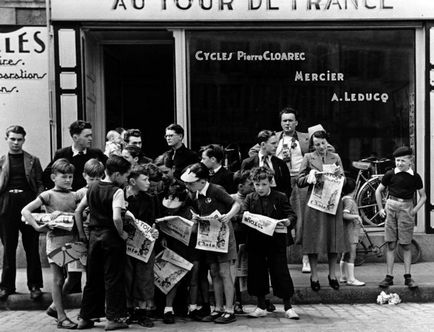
pixel 391 245
pixel 405 247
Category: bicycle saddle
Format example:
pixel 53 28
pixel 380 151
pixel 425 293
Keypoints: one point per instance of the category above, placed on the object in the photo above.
pixel 363 165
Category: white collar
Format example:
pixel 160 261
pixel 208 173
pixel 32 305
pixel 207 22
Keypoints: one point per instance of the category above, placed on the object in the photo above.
pixel 260 155
pixel 409 171
pixel 204 190
pixel 217 169
pixel 76 152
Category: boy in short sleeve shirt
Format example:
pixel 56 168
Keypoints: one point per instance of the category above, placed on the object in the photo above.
pixel 402 183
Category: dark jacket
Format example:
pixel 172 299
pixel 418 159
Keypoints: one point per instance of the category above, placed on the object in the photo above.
pixel 180 158
pixel 79 181
pixel 281 172
pixel 33 170
pixel 225 178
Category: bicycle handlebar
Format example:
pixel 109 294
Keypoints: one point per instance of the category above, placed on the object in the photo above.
pixel 375 160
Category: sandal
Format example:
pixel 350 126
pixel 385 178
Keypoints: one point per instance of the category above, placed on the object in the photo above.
pixel 66 324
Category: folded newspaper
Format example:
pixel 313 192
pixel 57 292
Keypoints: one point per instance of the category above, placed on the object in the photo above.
pixel 177 227
pixel 259 222
pixel 64 221
pixel 169 269
pixel 212 234
pixel 140 241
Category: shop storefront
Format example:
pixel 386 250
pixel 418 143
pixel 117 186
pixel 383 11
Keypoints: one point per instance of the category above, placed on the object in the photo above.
pixel 224 68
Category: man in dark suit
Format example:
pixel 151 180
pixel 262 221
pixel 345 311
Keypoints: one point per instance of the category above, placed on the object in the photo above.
pixel 20 183
pixel 77 154
pixel 212 157
pixel 179 156
pixel 267 141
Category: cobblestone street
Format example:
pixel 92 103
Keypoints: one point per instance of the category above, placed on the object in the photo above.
pixel 413 317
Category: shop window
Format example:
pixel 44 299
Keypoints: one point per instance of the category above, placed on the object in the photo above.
pixel 359 84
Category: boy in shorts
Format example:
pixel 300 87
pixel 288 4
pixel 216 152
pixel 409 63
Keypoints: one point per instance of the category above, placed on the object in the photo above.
pixel 402 183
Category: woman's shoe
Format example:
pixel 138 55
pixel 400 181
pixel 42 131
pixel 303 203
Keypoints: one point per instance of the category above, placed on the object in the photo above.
pixel 314 285
pixel 66 323
pixel 333 283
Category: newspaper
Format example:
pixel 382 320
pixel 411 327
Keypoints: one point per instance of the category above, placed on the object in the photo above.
pixel 169 269
pixel 259 222
pixel 326 193
pixel 212 234
pixel 64 221
pixel 177 227
pixel 140 241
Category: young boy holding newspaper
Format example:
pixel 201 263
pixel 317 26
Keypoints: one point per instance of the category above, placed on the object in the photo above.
pixel 209 198
pixel 139 275
pixel 267 253
pixel 180 236
pixel 57 200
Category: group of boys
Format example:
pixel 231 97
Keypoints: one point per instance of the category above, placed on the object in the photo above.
pixel 21 180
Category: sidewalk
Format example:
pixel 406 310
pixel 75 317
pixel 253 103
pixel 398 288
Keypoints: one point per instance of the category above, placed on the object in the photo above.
pixel 371 273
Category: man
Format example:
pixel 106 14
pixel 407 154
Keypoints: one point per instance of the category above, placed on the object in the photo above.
pixel 133 137
pixel 77 154
pixel 291 148
pixel 179 156
pixel 212 157
pixel 20 183
pixel 268 143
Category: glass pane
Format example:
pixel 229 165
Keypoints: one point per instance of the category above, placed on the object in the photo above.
pixel 356 83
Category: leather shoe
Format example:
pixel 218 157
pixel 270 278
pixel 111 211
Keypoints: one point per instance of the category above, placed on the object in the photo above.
pixel 84 324
pixel 4 293
pixel 334 283
pixel 314 285
pixel 35 293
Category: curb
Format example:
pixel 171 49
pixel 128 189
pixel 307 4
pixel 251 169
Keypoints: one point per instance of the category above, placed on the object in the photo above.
pixel 302 295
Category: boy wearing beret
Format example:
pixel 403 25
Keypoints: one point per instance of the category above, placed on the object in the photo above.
pixel 402 183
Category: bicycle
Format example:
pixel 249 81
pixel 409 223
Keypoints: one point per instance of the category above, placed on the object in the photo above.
pixel 366 248
pixel 367 181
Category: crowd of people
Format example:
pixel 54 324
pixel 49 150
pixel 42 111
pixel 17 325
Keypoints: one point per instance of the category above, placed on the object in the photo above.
pixel 275 181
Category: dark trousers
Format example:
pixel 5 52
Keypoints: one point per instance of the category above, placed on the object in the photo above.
pixel 267 261
pixel 105 284
pixel 10 226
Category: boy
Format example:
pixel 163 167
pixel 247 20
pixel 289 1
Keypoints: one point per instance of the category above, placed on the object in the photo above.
pixel 212 158
pixel 402 183
pixel 140 275
pixel 352 225
pixel 211 197
pixel 267 254
pixel 105 286
pixel 245 186
pixel 93 171
pixel 56 200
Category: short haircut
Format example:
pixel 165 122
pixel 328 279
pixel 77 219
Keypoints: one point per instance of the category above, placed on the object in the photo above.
pixel 117 164
pixel 288 110
pixel 94 168
pixel 62 166
pixel 134 151
pixel 261 173
pixel 240 177
pixel 155 173
pixel 111 134
pixel 318 134
pixel 214 150
pixel 349 186
pixel 16 130
pixel 201 171
pixel 264 136
pixel 176 128
pixel 120 130
pixel 132 132
pixel 138 170
pixel 78 126
pixel 176 189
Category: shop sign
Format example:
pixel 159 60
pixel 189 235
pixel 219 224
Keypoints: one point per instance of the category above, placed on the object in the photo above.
pixel 24 97
pixel 240 10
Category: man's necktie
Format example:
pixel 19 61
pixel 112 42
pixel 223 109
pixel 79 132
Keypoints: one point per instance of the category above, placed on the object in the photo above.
pixel 265 162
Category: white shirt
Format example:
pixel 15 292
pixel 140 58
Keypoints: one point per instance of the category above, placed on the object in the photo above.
pixel 409 171
pixel 203 191
pixel 76 152
pixel 295 154
pixel 270 165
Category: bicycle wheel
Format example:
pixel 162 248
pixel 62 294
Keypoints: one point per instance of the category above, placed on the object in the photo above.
pixel 415 252
pixel 361 253
pixel 367 203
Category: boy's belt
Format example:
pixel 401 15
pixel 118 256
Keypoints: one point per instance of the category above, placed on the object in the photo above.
pixel 393 198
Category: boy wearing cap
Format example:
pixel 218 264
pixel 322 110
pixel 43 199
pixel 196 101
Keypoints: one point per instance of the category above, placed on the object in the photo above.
pixel 402 183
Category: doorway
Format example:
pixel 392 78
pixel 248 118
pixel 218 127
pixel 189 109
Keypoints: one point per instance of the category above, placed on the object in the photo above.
pixel 139 90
